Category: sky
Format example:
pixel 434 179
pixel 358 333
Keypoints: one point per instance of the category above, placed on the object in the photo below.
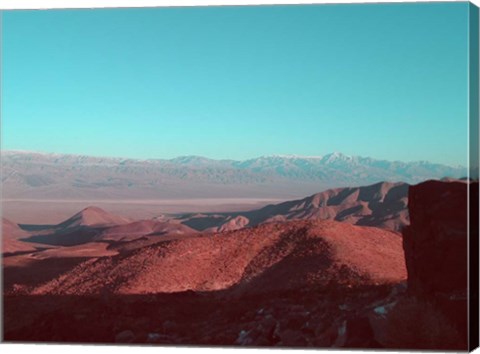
pixel 387 81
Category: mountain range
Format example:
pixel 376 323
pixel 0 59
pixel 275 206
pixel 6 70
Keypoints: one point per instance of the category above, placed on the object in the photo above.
pixel 30 175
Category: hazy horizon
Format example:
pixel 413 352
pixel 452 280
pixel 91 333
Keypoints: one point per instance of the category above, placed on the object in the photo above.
pixel 339 153
pixel 386 81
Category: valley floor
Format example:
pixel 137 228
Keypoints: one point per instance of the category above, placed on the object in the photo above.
pixel 43 211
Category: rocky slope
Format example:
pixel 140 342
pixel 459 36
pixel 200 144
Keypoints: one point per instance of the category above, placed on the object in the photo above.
pixel 268 258
pixel 382 205
pixel 301 283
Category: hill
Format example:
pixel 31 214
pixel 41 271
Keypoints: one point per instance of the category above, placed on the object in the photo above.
pixel 271 257
pixel 94 224
pixel 11 235
pixel 93 217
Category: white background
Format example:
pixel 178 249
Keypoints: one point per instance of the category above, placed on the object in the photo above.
pixel 81 349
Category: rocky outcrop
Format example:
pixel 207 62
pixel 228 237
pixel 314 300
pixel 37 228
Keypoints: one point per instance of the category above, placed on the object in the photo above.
pixel 436 244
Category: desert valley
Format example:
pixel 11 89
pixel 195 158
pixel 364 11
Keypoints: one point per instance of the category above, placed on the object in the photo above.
pixel 307 261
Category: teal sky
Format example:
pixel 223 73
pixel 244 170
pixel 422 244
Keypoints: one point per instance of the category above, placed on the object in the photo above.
pixel 386 81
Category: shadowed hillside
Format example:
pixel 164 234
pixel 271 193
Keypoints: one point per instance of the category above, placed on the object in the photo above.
pixel 382 205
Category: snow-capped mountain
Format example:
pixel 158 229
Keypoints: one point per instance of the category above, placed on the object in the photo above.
pixel 37 175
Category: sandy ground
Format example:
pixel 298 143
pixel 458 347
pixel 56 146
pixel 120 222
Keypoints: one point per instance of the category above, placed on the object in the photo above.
pixel 34 211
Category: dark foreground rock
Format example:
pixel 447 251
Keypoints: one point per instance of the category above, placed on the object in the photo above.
pixel 310 318
pixel 436 245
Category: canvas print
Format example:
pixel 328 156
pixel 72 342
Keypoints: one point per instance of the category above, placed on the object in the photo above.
pixel 253 176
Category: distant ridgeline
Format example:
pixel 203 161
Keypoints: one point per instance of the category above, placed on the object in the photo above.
pixel 57 176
